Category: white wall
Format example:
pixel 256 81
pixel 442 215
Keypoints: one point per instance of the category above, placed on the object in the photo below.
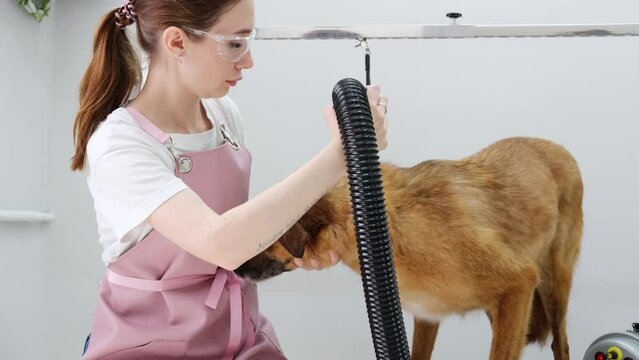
pixel 26 51
pixel 448 99
pixel 74 265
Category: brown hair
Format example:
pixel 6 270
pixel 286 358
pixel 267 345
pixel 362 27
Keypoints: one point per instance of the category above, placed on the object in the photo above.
pixel 114 72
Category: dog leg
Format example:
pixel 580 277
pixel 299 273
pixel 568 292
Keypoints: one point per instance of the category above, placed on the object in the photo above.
pixel 563 258
pixel 510 317
pixel 562 281
pixel 424 336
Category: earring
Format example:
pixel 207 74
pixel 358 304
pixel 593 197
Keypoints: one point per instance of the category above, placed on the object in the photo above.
pixel 180 59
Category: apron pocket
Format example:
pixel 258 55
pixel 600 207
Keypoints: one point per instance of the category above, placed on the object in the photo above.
pixel 156 349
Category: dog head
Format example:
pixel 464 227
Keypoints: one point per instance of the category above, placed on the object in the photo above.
pixel 278 257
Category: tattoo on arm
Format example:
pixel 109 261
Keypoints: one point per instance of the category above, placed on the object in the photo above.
pixel 264 244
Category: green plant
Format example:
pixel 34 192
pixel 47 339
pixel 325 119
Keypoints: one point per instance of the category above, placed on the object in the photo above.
pixel 36 8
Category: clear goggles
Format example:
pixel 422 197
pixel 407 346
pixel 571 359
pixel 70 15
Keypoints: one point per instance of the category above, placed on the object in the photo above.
pixel 230 47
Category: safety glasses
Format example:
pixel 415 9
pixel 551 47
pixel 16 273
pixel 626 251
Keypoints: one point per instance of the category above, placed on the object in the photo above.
pixel 230 47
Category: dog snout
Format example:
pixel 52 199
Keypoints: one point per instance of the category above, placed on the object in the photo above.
pixel 260 271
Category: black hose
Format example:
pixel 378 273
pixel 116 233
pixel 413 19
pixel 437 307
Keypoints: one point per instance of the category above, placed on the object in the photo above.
pixel 371 224
pixel 367 67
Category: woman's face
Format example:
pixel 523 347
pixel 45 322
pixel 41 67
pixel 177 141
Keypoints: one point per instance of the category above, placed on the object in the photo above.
pixel 205 71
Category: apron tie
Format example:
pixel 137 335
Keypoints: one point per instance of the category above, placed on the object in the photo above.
pixel 225 279
pixel 222 279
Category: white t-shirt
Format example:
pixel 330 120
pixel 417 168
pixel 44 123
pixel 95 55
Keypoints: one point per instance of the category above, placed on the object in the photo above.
pixel 130 174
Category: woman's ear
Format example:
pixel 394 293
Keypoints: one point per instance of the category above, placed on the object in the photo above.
pixel 174 40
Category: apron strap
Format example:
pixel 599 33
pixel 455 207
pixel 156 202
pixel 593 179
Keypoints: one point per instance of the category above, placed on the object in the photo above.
pixel 148 126
pixel 156 285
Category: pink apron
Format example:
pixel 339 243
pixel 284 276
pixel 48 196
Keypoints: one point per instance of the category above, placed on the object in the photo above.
pixel 159 302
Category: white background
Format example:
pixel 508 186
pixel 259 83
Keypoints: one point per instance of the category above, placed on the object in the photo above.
pixel 448 99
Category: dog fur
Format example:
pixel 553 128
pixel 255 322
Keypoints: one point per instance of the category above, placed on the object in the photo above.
pixel 498 231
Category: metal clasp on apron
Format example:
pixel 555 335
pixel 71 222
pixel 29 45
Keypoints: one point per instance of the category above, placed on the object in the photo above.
pixel 183 163
pixel 228 138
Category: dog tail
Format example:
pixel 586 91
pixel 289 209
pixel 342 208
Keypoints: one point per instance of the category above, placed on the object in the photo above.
pixel 539 327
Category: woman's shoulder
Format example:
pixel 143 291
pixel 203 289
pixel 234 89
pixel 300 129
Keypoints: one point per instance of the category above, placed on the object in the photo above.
pixel 119 131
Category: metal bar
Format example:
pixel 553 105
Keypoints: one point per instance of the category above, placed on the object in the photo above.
pixel 25 216
pixel 442 31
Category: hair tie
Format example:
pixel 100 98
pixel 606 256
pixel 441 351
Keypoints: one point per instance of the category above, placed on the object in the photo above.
pixel 126 15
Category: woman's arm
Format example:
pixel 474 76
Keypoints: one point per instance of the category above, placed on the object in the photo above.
pixel 230 239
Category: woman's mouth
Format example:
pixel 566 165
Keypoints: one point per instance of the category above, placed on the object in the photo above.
pixel 233 82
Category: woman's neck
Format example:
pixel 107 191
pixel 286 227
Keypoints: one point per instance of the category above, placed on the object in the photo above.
pixel 169 107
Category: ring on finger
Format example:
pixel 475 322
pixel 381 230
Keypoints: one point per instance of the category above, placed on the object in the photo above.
pixel 385 108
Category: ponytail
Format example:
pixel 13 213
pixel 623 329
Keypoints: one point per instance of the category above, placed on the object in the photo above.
pixel 113 74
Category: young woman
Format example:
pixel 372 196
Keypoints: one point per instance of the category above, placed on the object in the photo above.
pixel 169 174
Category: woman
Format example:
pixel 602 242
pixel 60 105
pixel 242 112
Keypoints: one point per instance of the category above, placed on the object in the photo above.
pixel 167 165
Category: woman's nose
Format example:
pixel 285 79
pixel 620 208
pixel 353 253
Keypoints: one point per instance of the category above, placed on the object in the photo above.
pixel 246 62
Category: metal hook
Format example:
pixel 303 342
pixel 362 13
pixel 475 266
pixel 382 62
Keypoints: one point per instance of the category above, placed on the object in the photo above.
pixel 367 58
pixel 364 44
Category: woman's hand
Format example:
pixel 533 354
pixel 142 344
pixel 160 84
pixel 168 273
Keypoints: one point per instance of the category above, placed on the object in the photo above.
pixel 312 261
pixel 379 107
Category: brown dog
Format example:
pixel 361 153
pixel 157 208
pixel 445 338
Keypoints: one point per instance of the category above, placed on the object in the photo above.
pixel 498 231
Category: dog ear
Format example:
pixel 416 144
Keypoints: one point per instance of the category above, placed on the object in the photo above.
pixel 295 240
pixel 317 217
